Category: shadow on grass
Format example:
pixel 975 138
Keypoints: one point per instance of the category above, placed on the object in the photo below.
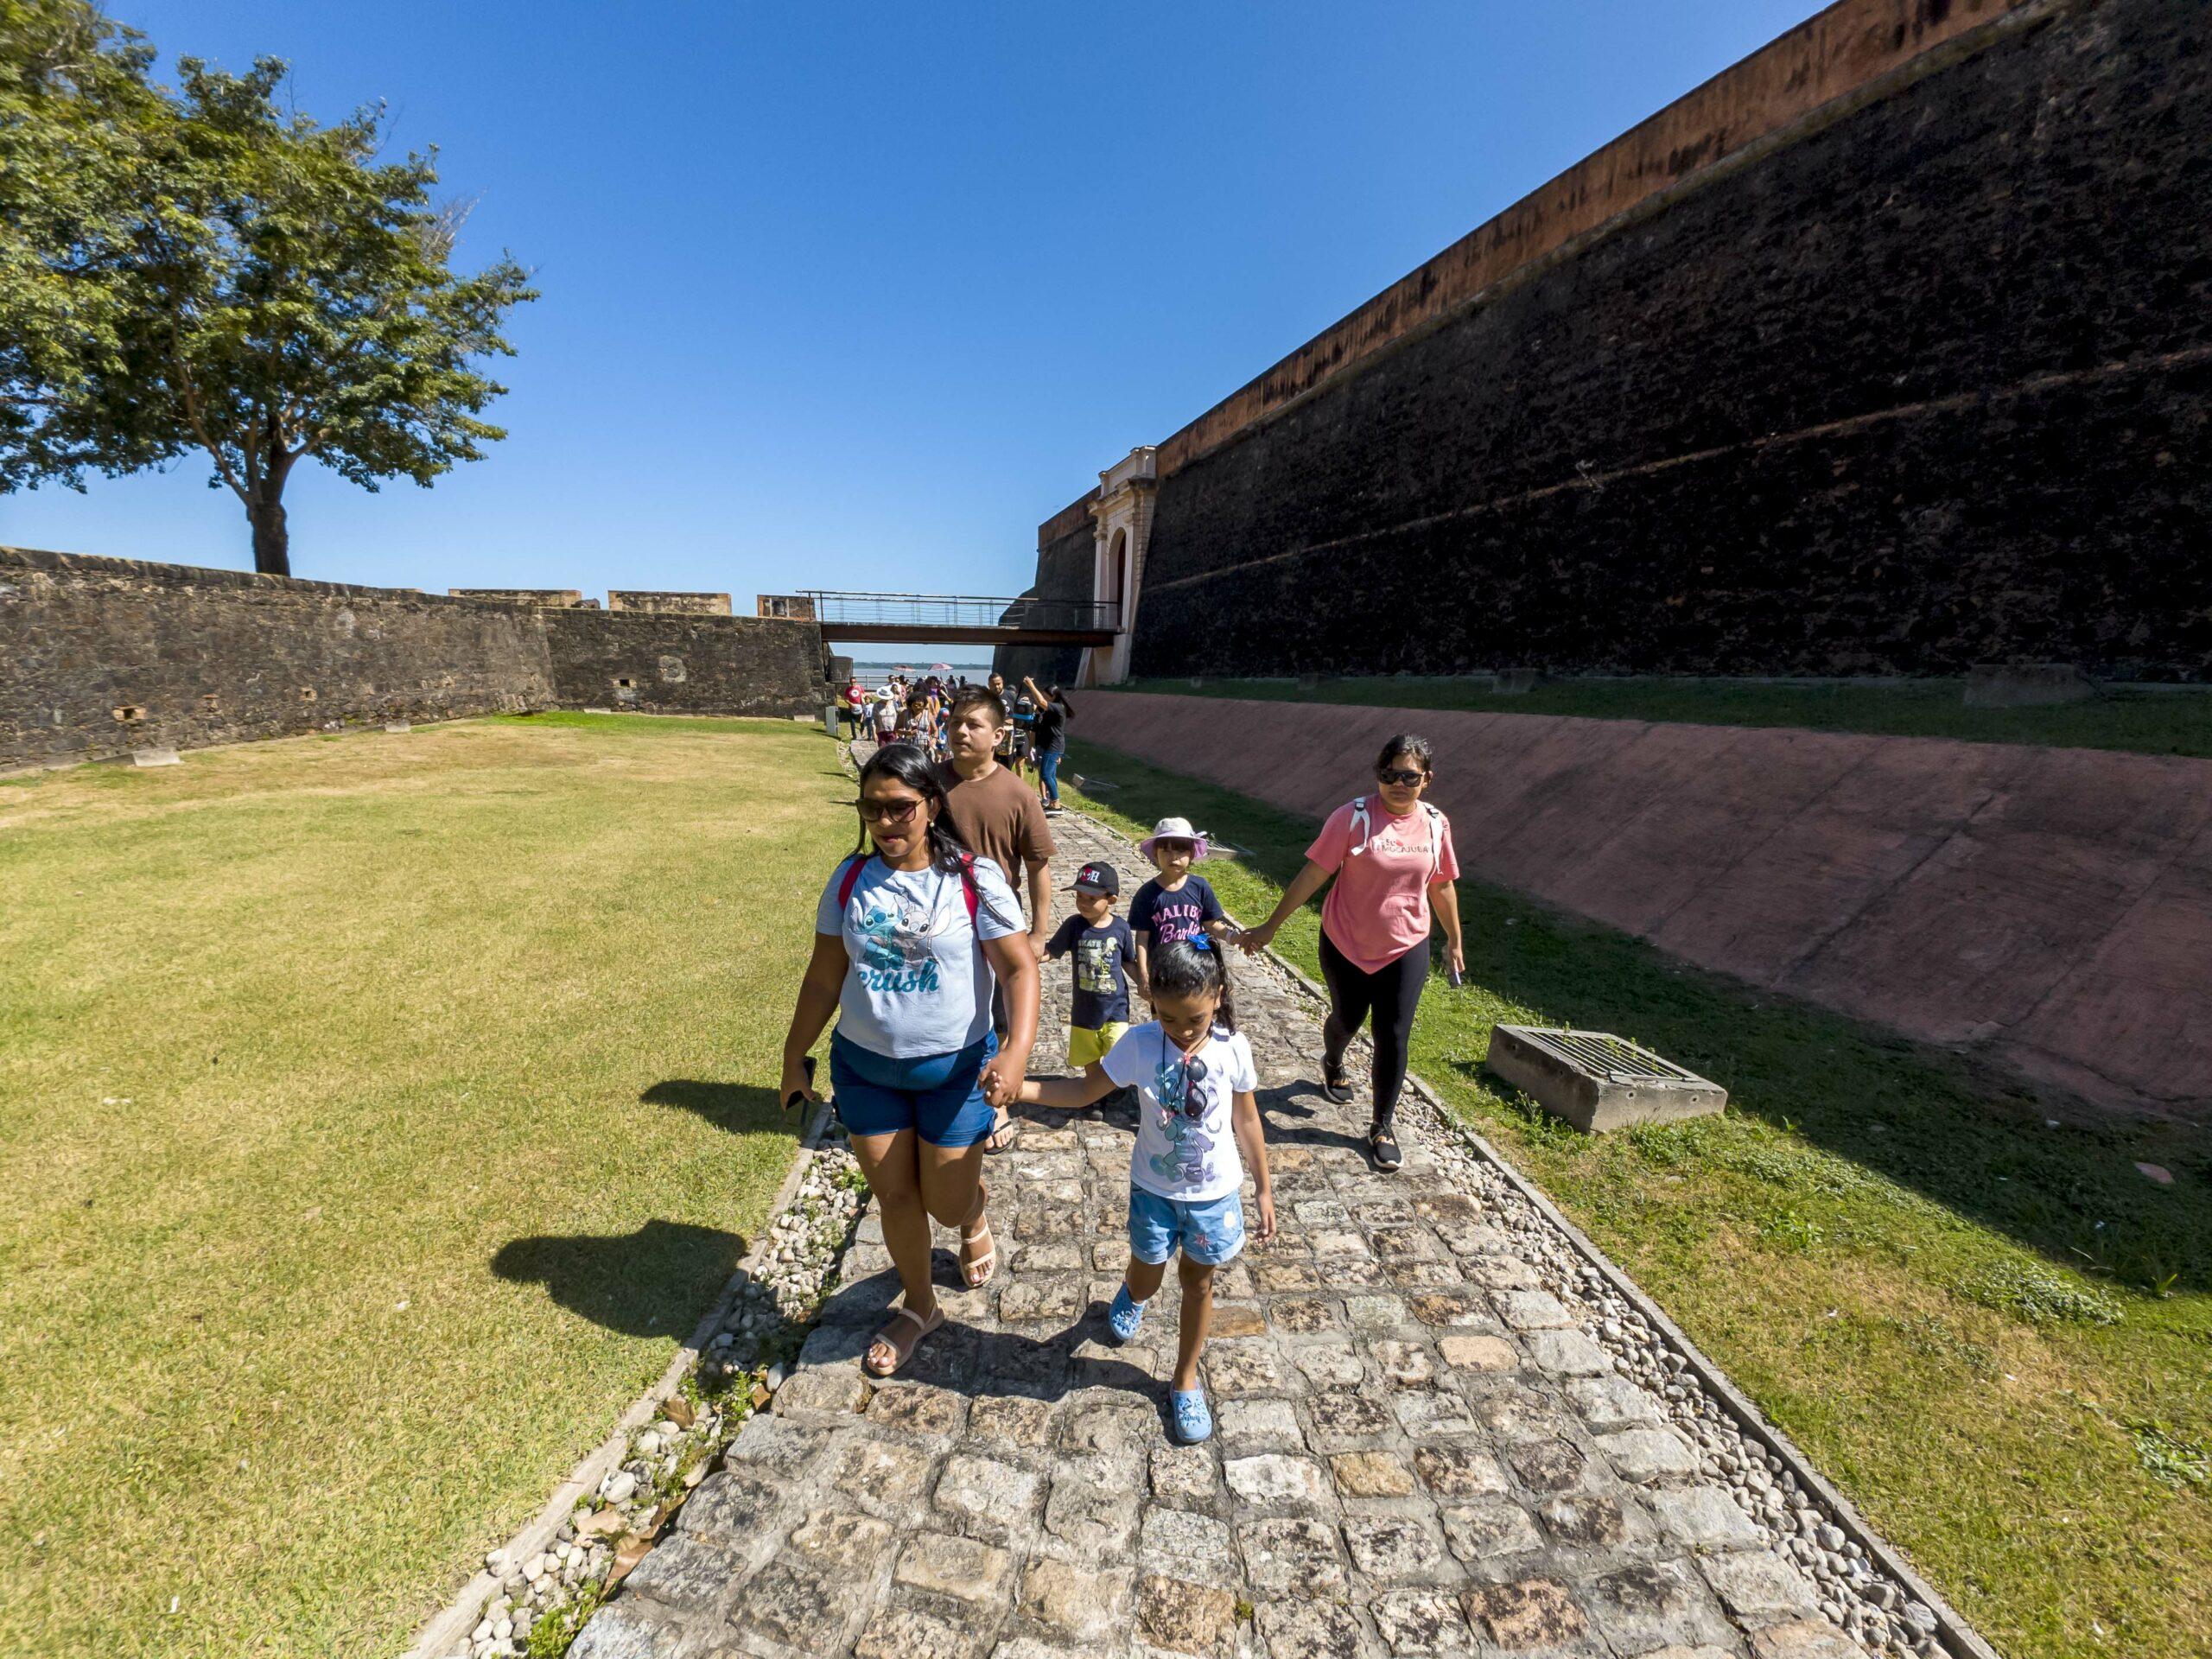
pixel 649 1283
pixel 734 1108
pixel 1978 1147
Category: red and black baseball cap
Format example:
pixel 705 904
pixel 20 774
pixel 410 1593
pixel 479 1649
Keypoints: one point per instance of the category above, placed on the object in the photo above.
pixel 1099 878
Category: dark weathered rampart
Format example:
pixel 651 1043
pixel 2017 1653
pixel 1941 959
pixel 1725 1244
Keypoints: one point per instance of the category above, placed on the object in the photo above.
pixel 1889 350
pixel 100 657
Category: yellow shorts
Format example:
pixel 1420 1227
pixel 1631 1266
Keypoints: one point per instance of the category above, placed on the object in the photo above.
pixel 1086 1045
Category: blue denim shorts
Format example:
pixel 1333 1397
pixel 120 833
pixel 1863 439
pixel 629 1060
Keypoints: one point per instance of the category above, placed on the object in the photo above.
pixel 938 1096
pixel 1208 1233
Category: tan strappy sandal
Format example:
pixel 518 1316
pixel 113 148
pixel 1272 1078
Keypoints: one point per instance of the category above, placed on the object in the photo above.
pixel 900 1354
pixel 978 1269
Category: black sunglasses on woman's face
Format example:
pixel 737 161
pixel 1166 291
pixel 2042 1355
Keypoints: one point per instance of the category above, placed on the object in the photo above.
pixel 894 812
pixel 1401 776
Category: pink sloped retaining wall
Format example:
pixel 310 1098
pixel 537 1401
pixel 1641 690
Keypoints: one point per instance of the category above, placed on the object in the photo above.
pixel 2050 909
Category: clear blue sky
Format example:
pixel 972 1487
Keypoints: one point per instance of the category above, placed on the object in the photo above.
pixel 843 295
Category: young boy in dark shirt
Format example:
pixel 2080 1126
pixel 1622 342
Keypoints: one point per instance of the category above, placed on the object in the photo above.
pixel 1104 947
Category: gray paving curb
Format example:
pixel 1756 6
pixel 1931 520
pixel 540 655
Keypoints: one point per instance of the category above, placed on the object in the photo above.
pixel 450 1629
pixel 1958 1637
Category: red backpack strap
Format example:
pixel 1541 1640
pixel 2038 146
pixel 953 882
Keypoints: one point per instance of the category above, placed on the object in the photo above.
pixel 850 879
pixel 968 887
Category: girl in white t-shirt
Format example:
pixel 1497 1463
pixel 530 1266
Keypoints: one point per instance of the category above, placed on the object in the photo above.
pixel 1196 1112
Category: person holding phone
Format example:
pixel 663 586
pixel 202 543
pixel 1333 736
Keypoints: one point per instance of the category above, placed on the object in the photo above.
pixel 910 933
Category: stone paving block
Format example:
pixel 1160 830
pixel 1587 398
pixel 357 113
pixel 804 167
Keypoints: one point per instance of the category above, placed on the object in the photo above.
pixel 1513 1413
pixel 627 1630
pixel 1291 1555
pixel 1271 1480
pixel 1502 1272
pixel 1074 1602
pixel 1030 1300
pixel 1423 1276
pixel 1643 1456
pixel 1347 1420
pixel 1531 1310
pixel 1337 1244
pixel 1654 1605
pixel 1546 1465
pixel 902 1632
pixel 947 1565
pixel 835 1344
pixel 1803 1638
pixel 1404 1364
pixel 1012 1421
pixel 821 1394
pixel 1185 1474
pixel 1607 1404
pixel 1312 1630
pixel 1705 1518
pixel 1567 1353
pixel 1420 1622
pixel 1257 1424
pixel 1453 1310
pixel 1458 1469
pixel 1182 1543
pixel 1093 1506
pixel 1394 1548
pixel 1589 1520
pixel 732 1501
pixel 1426 1412
pixel 849 1543
pixel 1305 1316
pixel 1329 1365
pixel 882 1477
pixel 1757 1585
pixel 1479 1354
pixel 1184 1618
pixel 987 1498
pixel 1241 1368
pixel 800 1605
pixel 1487 1528
pixel 918 1409
pixel 1233 1319
pixel 1372 1474
pixel 1526 1613
pixel 773 1445
pixel 688 1574
pixel 1277 1275
pixel 1108 1422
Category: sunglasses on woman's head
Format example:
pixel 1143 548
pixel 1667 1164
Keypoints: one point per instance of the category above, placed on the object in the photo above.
pixel 1401 776
pixel 896 812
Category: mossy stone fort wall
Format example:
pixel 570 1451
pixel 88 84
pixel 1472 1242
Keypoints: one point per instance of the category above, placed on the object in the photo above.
pixel 100 657
pixel 1887 351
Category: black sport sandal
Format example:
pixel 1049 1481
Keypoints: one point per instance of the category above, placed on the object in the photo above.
pixel 1334 1084
pixel 1382 1143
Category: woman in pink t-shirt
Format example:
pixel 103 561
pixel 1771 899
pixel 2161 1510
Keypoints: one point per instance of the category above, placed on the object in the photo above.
pixel 1391 855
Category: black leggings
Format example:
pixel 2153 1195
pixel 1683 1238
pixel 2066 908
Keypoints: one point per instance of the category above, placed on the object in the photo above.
pixel 1393 992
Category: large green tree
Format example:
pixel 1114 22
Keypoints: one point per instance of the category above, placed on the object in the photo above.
pixel 269 290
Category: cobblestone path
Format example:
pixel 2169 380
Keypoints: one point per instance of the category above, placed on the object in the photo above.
pixel 1430 1438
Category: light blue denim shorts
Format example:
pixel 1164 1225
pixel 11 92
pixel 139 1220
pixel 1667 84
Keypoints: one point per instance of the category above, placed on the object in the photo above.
pixel 1208 1233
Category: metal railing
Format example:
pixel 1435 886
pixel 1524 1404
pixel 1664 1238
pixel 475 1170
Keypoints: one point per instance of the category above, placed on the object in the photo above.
pixel 959 611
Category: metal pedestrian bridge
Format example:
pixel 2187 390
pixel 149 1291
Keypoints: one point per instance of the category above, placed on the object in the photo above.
pixel 949 618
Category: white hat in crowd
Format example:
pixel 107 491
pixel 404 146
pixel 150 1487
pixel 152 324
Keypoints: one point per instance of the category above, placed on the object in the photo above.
pixel 1175 830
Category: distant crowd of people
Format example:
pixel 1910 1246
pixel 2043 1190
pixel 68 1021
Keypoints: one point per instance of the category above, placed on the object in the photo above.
pixel 925 958
pixel 920 712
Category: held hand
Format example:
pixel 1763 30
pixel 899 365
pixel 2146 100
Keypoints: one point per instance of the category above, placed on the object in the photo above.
pixel 1265 1202
pixel 1002 1081
pixel 1256 939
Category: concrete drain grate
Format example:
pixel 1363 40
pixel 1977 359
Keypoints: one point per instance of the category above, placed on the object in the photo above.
pixel 1597 1081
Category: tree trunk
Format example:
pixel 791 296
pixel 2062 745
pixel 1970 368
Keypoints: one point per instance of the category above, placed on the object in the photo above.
pixel 272 542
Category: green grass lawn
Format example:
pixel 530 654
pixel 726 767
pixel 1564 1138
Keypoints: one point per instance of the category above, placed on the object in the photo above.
pixel 2150 722
pixel 1994 1335
pixel 380 1112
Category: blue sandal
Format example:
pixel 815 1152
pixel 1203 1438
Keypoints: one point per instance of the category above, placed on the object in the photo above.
pixel 1125 1315
pixel 1194 1421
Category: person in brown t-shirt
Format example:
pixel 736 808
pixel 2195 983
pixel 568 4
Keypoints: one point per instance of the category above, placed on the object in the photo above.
pixel 999 817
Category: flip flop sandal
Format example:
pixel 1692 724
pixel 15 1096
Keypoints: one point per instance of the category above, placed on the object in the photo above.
pixel 901 1356
pixel 977 1226
pixel 1000 1139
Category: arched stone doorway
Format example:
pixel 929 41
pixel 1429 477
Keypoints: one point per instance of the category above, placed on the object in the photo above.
pixel 1122 517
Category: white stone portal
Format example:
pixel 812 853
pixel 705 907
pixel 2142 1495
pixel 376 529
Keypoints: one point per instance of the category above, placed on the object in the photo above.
pixel 1122 518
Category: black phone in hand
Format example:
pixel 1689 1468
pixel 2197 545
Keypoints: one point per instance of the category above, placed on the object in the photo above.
pixel 793 1100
